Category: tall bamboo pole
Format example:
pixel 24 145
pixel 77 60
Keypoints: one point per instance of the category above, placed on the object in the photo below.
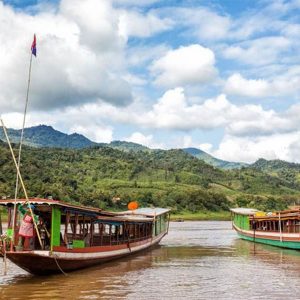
pixel 21 180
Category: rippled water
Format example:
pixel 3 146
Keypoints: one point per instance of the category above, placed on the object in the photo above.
pixel 197 260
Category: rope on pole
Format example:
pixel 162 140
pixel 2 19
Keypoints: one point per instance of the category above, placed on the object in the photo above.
pixel 21 180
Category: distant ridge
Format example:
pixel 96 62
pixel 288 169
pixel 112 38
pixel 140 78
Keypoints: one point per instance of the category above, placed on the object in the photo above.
pixel 127 146
pixel 214 161
pixel 47 136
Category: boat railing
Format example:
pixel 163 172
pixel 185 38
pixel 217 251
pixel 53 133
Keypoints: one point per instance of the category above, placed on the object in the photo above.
pixel 104 240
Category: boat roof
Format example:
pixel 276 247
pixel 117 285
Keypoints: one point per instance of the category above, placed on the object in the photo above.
pixel 141 214
pixel 148 212
pixel 41 201
pixel 244 211
pixel 294 212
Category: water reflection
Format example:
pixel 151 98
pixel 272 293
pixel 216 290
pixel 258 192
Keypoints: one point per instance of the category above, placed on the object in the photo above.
pixel 198 260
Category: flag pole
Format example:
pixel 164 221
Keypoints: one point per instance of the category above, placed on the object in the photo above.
pixel 20 150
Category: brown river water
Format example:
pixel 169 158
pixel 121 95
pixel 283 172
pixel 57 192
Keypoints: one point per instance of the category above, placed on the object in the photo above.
pixel 197 260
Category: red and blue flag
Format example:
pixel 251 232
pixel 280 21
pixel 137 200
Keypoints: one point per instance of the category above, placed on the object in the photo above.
pixel 33 46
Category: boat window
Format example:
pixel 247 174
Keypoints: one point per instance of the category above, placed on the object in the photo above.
pixel 106 229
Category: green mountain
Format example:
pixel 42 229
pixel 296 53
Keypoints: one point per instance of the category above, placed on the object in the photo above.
pixel 214 161
pixel 47 136
pixel 279 168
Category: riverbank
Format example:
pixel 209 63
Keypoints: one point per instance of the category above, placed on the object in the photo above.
pixel 202 216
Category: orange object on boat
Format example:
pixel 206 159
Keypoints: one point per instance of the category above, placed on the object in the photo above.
pixel 133 205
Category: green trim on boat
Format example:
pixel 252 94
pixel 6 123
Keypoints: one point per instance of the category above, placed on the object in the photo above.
pixel 55 227
pixel 283 244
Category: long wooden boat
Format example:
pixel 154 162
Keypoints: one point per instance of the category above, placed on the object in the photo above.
pixel 281 228
pixel 79 237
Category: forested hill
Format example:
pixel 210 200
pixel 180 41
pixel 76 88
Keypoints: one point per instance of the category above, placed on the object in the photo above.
pixel 100 176
pixel 274 165
pixel 287 171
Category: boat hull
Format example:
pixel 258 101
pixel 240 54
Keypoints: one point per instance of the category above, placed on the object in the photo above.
pixel 285 240
pixel 46 262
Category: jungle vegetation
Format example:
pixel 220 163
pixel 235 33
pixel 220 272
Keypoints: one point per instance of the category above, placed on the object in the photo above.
pixel 109 178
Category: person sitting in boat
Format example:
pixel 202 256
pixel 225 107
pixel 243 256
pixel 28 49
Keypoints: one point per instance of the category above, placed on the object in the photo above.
pixel 44 233
pixel 26 228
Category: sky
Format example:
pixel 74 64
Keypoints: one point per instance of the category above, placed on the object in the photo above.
pixel 219 75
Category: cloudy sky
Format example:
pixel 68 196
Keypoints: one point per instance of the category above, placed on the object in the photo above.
pixel 220 75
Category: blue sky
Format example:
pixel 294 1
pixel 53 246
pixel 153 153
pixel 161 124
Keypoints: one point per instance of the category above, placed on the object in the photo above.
pixel 223 76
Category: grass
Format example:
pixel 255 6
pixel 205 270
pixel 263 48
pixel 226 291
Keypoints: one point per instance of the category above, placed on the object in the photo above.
pixel 202 216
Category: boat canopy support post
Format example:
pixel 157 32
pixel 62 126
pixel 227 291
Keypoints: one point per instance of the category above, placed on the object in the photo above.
pixel 1 230
pixel 254 228
pixel 280 229
pixel 169 217
pixel 21 180
pixel 4 259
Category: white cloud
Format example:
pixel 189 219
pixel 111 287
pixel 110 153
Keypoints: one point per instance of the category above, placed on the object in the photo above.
pixel 139 138
pixel 140 55
pixel 245 149
pixel 206 147
pixel 260 51
pixel 83 120
pixel 173 111
pixel 134 80
pixel 254 23
pixel 237 85
pixel 200 22
pixel 291 30
pixel 12 120
pixel 79 56
pixel 95 132
pixel 286 84
pixel 97 21
pixel 132 23
pixel 187 141
pixel 188 65
pixel 134 2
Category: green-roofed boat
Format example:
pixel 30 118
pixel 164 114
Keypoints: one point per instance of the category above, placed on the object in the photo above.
pixel 281 228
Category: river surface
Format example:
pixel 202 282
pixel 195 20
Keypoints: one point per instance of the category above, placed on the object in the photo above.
pixel 197 260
